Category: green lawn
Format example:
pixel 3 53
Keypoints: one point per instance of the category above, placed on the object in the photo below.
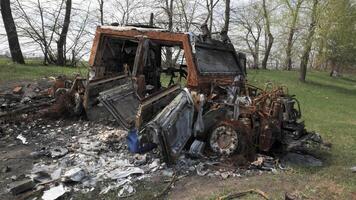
pixel 329 107
pixel 34 70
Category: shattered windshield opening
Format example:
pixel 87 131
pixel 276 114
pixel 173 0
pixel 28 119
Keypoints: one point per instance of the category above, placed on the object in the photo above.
pixel 216 60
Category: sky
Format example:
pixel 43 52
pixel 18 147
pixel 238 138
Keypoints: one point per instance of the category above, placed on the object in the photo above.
pixel 111 15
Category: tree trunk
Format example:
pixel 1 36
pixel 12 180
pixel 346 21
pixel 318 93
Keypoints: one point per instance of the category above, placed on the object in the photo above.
pixel 101 10
pixel 295 14
pixel 15 49
pixel 308 43
pixel 256 55
pixel 61 59
pixel 270 37
pixel 169 11
pixel 288 61
pixel 211 17
pixel 334 69
pixel 255 61
pixel 151 20
pixel 227 16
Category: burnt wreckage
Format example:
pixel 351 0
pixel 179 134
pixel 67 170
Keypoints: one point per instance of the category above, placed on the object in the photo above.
pixel 217 110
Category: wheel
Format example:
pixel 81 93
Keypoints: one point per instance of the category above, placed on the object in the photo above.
pixel 224 139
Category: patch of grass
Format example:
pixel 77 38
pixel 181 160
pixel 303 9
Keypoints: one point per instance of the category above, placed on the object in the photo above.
pixel 33 69
pixel 328 107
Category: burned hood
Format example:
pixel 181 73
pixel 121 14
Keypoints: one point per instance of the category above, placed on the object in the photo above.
pixel 218 58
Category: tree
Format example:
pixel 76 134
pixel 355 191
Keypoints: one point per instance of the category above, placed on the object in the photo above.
pixel 269 38
pixel 294 11
pixel 187 17
pixel 11 32
pixel 227 17
pixel 210 5
pixel 308 42
pixel 336 35
pixel 101 11
pixel 125 9
pixel 168 10
pixel 251 20
pixel 61 59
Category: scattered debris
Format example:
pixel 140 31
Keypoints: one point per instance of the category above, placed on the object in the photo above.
pixel 22 138
pixel 197 148
pixel 54 193
pixel 17 90
pixel 58 152
pixel 18 187
pixel 76 174
pixel 353 169
pixel 5 169
pixel 120 174
pixel 291 196
pixel 126 191
pixel 303 160
pixel 244 193
pixel 168 187
pixel 154 165
pixel 264 162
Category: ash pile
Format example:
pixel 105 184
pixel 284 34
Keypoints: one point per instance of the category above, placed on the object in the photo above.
pixel 32 96
pixel 81 156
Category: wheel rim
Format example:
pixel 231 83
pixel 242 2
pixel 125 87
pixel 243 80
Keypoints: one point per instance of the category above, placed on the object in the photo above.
pixel 224 140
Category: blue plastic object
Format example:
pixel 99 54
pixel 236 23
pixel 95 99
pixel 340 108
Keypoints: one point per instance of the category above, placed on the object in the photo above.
pixel 133 143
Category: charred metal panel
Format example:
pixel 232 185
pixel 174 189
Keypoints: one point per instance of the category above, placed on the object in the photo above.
pixel 93 108
pixel 217 59
pixel 153 104
pixel 172 127
pixel 122 102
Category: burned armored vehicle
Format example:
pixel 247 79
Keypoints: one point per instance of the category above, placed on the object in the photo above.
pixel 200 102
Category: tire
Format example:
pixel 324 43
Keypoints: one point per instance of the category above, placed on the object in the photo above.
pixel 225 140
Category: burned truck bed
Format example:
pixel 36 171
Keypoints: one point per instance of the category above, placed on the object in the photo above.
pixel 206 108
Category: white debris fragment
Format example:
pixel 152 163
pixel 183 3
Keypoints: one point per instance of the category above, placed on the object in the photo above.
pixel 22 138
pixel 353 169
pixel 117 185
pixel 127 190
pixel 121 173
pixel 54 193
pixel 154 165
pixel 56 174
pixel 225 175
pixel 76 174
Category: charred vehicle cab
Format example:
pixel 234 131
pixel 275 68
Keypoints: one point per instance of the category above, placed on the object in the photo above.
pixel 217 112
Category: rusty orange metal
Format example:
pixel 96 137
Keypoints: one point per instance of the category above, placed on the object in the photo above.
pixel 194 80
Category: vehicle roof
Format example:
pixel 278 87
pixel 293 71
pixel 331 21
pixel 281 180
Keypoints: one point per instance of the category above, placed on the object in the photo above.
pixel 140 29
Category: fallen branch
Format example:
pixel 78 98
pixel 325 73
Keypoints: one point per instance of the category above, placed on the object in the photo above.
pixel 27 108
pixel 174 179
pixel 244 193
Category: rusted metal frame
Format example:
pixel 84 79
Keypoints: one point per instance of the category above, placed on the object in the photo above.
pixel 160 36
pixel 94 47
pixel 146 102
pixel 97 82
pixel 139 57
pixel 192 79
pixel 78 86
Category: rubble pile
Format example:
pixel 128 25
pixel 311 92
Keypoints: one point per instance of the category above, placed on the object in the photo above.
pixel 81 156
pixel 30 96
